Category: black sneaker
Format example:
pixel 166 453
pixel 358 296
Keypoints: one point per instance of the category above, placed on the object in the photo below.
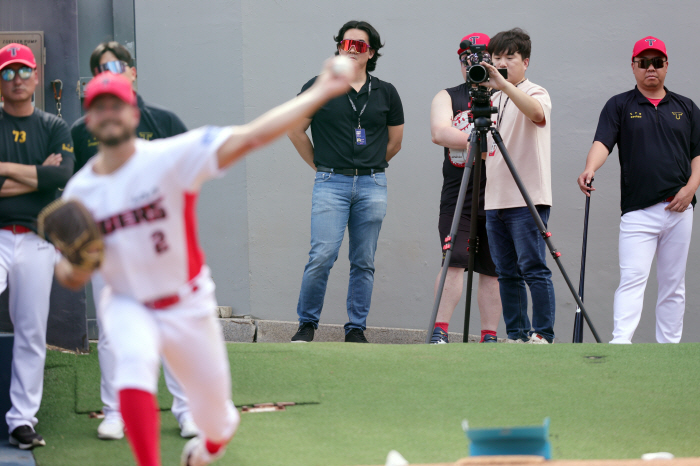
pixel 355 335
pixel 305 333
pixel 439 337
pixel 488 338
pixel 25 438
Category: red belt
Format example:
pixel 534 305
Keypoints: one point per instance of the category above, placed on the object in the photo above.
pixel 163 303
pixel 167 301
pixel 669 198
pixel 16 229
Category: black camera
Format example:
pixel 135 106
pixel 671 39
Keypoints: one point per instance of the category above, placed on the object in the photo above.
pixel 476 73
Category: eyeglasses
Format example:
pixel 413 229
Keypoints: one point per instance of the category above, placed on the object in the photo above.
pixel 8 74
pixel 116 67
pixel 360 46
pixel 644 63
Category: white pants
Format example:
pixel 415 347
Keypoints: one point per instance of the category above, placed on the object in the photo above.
pixel 644 233
pixel 107 358
pixel 26 264
pixel 189 338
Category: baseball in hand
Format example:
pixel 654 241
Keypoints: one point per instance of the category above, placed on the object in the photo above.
pixel 342 66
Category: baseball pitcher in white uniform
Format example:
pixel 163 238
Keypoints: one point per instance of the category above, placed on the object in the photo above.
pixel 143 194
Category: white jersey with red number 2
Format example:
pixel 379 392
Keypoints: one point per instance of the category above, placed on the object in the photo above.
pixel 146 211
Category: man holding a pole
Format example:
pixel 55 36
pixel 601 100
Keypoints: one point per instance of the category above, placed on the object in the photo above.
pixel 658 138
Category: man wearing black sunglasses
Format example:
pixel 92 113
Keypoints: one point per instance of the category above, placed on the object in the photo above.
pixel 36 158
pixel 354 137
pixel 658 136
pixel 155 123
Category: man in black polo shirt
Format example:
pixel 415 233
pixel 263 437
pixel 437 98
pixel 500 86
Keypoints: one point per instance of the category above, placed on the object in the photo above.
pixel 658 138
pixel 155 123
pixel 36 158
pixel 354 137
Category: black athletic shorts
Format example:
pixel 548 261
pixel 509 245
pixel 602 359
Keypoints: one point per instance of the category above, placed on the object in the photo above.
pixel 460 256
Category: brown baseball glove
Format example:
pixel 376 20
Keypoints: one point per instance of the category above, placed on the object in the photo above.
pixel 71 228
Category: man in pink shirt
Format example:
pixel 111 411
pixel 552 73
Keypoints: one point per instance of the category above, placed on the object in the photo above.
pixel 517 246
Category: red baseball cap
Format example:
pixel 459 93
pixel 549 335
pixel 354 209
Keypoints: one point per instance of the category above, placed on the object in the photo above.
pixel 16 53
pixel 476 38
pixel 649 43
pixel 109 83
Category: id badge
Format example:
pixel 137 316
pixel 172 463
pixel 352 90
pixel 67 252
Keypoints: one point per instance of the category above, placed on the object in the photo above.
pixel 493 150
pixel 360 137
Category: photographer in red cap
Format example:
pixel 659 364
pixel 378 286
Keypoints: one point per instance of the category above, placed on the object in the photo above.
pixel 450 128
pixel 658 138
pixel 36 158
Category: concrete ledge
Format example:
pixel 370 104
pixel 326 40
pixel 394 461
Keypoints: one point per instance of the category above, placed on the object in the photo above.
pixel 13 456
pixel 238 330
pixel 274 331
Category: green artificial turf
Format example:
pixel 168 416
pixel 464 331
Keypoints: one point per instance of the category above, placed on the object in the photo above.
pixel 87 386
pixel 365 400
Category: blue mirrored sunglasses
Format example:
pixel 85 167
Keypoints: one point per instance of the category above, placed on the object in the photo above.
pixel 8 74
pixel 116 67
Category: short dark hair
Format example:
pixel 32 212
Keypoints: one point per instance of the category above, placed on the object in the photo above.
pixel 510 42
pixel 375 42
pixel 117 49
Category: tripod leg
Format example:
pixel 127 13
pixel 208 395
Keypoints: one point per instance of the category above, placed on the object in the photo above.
pixel 453 233
pixel 474 223
pixel 540 225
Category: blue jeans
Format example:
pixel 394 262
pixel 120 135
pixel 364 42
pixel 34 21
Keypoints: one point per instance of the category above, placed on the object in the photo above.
pixel 339 201
pixel 519 252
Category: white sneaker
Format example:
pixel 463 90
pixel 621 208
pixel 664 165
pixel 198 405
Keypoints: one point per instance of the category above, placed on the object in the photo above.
pixel 517 341
pixel 188 428
pixel 537 339
pixel 196 454
pixel 112 428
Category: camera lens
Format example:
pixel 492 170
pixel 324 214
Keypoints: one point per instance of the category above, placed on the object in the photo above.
pixel 478 74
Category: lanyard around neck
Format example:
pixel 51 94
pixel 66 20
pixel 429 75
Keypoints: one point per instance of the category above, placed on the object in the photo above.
pixel 369 92
pixel 501 111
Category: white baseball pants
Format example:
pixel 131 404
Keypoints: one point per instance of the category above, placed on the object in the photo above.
pixel 190 340
pixel 644 233
pixel 107 358
pixel 26 264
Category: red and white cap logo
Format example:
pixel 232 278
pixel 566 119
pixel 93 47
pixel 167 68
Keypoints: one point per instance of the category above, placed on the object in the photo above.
pixel 649 43
pixel 112 84
pixel 16 53
pixel 476 38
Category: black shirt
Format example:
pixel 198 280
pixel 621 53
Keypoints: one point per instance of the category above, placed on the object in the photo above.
pixel 333 126
pixel 30 140
pixel 656 145
pixel 155 123
pixel 452 172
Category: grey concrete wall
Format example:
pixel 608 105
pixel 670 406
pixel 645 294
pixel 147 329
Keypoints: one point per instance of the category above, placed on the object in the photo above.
pixel 190 61
pixel 227 62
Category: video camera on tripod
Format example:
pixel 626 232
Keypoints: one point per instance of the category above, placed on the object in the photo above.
pixel 477 73
pixel 480 96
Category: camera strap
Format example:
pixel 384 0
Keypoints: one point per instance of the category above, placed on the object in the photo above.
pixel 369 92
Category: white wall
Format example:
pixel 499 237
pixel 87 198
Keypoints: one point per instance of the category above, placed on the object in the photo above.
pixel 255 222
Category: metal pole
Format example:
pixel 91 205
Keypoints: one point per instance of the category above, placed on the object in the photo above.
pixel 578 320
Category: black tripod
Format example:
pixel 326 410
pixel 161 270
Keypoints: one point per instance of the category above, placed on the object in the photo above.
pixel 481 117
